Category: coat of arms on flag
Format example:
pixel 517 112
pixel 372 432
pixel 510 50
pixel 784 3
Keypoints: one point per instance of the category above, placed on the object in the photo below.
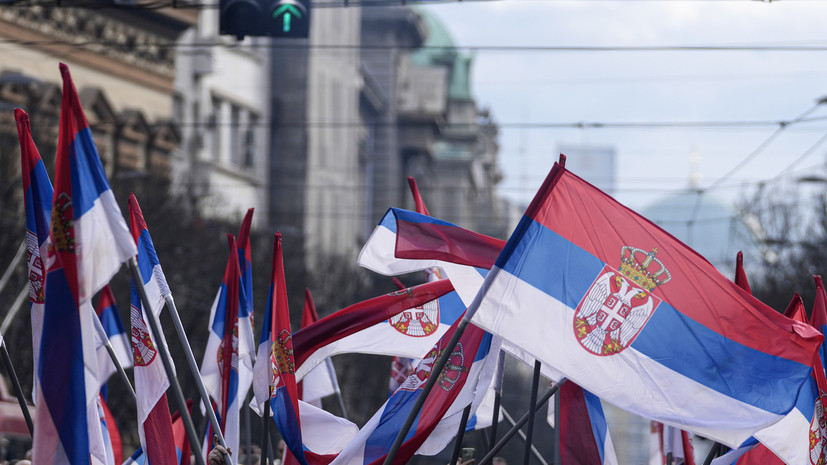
pixel 447 378
pixel 419 321
pixel 818 432
pixel 619 302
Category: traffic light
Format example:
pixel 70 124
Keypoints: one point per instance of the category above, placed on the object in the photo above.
pixel 274 18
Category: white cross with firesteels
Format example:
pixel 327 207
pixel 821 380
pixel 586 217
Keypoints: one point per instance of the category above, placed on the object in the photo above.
pixel 612 312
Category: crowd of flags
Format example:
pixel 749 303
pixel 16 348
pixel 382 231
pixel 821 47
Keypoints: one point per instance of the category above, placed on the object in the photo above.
pixel 603 302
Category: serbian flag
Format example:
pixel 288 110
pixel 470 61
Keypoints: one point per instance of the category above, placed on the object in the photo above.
pixel 246 339
pixel 110 319
pixel 220 366
pixel 179 439
pixel 406 241
pixel 37 194
pixel 400 323
pixel 740 275
pixel 462 382
pixel 111 435
pixel 89 242
pixel 754 453
pixel 151 382
pixel 584 433
pixel 610 299
pixel 321 381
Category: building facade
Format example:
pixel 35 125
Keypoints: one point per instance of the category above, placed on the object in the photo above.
pixel 222 106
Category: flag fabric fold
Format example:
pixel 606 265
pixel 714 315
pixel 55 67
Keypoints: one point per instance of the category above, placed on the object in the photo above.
pixel 151 382
pixel 403 323
pixel 89 242
pixel 37 194
pixel 246 338
pixel 584 432
pixel 320 382
pixel 406 241
pixel 609 299
pixel 110 319
pixel 219 368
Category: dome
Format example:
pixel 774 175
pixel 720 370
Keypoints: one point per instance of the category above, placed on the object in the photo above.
pixel 439 49
pixel 707 224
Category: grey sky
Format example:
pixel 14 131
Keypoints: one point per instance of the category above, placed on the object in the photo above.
pixel 654 86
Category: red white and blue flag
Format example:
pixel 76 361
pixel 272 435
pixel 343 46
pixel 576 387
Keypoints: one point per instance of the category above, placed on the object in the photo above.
pixel 110 319
pixel 151 382
pixel 37 194
pixel 246 338
pixel 400 323
pixel 89 242
pixel 462 382
pixel 584 433
pixel 220 369
pixel 406 241
pixel 630 313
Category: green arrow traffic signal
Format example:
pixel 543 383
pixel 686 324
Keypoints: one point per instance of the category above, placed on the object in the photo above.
pixel 288 10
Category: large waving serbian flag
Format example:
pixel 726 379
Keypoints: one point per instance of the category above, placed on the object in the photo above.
pixel 219 369
pixel 37 193
pixel 151 382
pixel 89 242
pixel 636 317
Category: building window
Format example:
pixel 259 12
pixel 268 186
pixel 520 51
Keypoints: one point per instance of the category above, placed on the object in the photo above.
pixel 250 141
pixel 235 140
pixel 214 127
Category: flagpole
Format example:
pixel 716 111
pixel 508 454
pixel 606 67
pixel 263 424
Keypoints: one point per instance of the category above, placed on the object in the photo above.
pixel 460 434
pixel 713 452
pixel 335 381
pixel 519 424
pixel 199 382
pixel 10 269
pixel 18 391
pixel 111 351
pixel 535 380
pixel 520 433
pixel 195 444
pixel 438 367
pixel 498 392
pixel 265 433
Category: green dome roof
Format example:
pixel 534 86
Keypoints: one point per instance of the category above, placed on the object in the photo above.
pixel 439 50
pixel 438 47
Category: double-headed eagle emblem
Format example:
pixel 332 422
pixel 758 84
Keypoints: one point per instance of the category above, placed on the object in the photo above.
pixel 619 303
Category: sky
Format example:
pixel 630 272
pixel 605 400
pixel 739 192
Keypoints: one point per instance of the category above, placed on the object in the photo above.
pixel 531 87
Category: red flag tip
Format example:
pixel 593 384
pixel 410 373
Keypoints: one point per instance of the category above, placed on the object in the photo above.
pixel 562 161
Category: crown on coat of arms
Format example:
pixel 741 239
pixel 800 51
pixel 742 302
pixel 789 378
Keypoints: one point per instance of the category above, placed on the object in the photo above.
pixel 643 268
